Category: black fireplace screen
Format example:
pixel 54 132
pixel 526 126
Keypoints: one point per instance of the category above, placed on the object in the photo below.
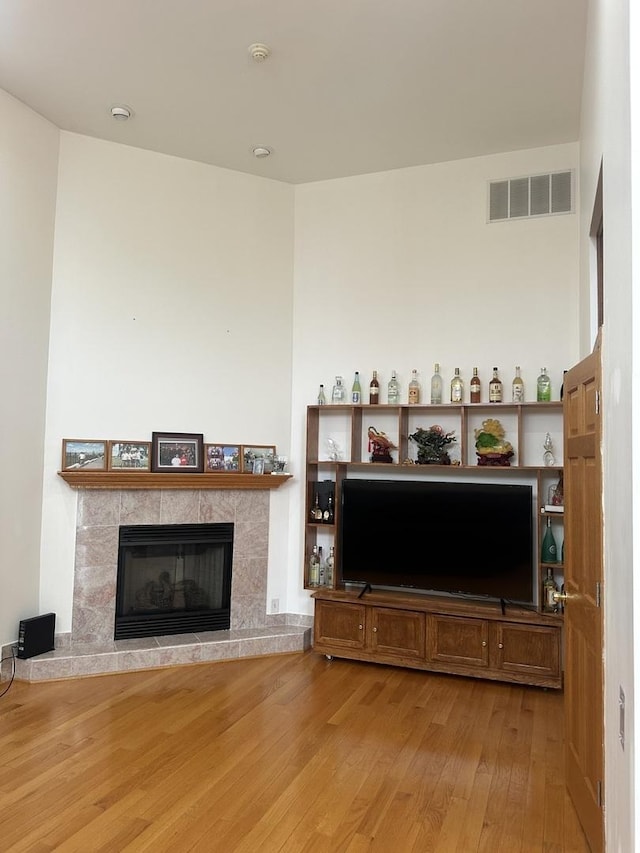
pixel 173 579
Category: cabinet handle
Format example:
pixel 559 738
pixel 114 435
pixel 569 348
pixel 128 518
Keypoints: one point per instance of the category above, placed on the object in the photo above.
pixel 375 630
pixel 360 627
pixel 484 643
pixel 500 646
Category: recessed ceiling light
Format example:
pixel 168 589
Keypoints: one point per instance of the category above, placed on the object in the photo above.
pixel 260 151
pixel 120 113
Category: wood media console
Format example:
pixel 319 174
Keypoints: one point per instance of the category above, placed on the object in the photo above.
pixel 440 634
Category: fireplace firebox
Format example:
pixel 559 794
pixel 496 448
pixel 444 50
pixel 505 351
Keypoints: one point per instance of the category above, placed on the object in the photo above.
pixel 173 579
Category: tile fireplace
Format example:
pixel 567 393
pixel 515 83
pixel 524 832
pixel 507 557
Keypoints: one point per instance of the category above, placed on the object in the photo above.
pixel 91 648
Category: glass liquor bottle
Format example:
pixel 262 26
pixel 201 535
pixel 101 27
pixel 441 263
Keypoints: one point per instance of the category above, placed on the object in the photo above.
pixel 316 512
pixel 436 386
pixel 474 387
pixel 495 387
pixel 549 587
pixel 321 567
pixel 374 389
pixel 549 551
pixel 314 567
pixel 321 396
pixel 393 390
pixel 338 393
pixel 356 390
pixel 517 388
pixel 457 387
pixel 329 567
pixel 414 389
pixel 543 385
pixel 547 457
pixel 328 514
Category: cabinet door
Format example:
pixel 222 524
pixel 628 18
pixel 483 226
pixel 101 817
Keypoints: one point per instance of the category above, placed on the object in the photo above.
pixel 339 625
pixel 399 634
pixel 456 640
pixel 528 649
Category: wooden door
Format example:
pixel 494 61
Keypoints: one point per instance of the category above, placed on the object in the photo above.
pixel 456 640
pixel 529 650
pixel 397 634
pixel 339 625
pixel 584 708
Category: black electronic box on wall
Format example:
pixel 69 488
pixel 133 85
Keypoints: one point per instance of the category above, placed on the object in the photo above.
pixel 36 635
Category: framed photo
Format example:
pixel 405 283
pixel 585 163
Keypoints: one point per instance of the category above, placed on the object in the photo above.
pixel 84 454
pixel 222 458
pixel 253 452
pixel 177 452
pixel 258 465
pixel 129 456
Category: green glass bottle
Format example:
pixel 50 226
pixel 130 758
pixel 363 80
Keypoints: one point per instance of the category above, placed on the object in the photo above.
pixel 543 387
pixel 356 390
pixel 549 548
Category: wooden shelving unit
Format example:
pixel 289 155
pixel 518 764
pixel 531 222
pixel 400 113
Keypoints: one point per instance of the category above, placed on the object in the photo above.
pixel 525 423
pixel 431 632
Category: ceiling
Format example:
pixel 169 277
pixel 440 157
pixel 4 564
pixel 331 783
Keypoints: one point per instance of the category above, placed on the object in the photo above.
pixel 351 86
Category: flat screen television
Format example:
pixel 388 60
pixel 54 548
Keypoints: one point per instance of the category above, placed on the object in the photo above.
pixel 473 539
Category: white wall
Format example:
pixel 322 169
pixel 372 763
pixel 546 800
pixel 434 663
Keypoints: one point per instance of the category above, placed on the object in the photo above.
pixel 171 311
pixel 28 171
pixel 605 136
pixel 400 269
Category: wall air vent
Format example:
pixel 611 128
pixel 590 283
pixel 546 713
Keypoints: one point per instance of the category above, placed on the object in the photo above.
pixel 537 195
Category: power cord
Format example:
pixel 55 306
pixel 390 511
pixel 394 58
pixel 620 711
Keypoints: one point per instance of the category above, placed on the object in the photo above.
pixel 13 669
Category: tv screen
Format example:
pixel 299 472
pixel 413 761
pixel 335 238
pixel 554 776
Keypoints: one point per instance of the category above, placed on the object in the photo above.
pixel 469 538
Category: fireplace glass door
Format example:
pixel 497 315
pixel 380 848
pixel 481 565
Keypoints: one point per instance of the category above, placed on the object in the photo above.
pixel 173 579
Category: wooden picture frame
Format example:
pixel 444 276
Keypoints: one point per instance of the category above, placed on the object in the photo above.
pixel 222 458
pixel 251 452
pixel 125 456
pixel 177 452
pixel 81 454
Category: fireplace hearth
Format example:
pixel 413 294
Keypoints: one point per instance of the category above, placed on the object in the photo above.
pixel 173 579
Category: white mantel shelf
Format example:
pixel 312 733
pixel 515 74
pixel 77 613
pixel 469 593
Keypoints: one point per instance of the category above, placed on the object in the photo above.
pixel 147 480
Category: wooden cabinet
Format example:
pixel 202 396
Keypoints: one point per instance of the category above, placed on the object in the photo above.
pixel 385 633
pixel 396 634
pixel 440 635
pixel 340 627
pixel 456 641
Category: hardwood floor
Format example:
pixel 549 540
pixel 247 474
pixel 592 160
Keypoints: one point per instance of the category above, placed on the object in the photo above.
pixel 288 753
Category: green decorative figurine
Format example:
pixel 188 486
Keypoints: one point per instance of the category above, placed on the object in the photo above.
pixel 431 445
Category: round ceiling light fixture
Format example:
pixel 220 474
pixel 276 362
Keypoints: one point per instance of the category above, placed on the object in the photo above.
pixel 259 52
pixel 260 151
pixel 120 113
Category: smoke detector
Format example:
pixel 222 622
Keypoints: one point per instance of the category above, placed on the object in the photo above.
pixel 259 52
pixel 260 151
pixel 120 113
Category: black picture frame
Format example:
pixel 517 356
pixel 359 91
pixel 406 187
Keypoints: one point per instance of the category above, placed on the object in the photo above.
pixel 177 452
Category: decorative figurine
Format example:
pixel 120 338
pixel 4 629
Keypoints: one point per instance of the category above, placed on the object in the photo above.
pixel 431 445
pixel 491 447
pixel 547 457
pixel 379 445
pixel 333 449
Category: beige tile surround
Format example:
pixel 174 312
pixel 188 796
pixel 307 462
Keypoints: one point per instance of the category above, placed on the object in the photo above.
pixel 90 648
